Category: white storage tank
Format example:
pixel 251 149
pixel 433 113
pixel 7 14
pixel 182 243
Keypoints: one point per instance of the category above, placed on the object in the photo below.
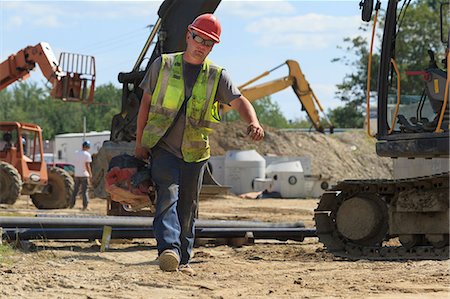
pixel 241 168
pixel 216 165
pixel 262 184
pixel 288 179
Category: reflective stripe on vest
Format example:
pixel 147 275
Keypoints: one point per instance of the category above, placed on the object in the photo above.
pixel 202 112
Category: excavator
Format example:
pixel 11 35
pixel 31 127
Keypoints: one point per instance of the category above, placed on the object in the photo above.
pixel 296 79
pixel 406 217
pixel 23 169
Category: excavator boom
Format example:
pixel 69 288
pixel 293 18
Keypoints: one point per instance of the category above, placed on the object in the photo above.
pixel 296 79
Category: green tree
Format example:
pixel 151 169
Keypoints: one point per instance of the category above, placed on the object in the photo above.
pixel 354 85
pixel 107 104
pixel 269 113
pixel 419 31
pixel 7 105
pixel 21 102
pixel 300 123
pixel 27 102
pixel 347 116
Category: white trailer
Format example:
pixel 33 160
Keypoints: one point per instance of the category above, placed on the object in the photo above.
pixel 67 144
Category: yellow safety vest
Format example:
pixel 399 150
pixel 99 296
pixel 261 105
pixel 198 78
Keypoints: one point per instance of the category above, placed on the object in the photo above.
pixel 202 111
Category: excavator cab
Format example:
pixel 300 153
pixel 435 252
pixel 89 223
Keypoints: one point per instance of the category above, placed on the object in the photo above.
pixel 21 163
pixel 411 123
pixel 21 146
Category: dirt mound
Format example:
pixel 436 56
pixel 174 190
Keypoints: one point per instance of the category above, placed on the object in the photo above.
pixel 347 155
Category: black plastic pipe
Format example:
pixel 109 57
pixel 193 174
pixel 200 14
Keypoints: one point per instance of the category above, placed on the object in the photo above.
pixel 121 221
pixel 92 233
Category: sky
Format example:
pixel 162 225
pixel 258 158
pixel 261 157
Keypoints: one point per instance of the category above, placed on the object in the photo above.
pixel 256 37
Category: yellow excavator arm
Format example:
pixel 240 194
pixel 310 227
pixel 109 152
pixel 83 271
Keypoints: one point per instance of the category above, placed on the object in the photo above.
pixel 296 79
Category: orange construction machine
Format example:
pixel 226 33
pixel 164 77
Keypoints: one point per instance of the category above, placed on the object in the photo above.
pixel 72 77
pixel 24 171
pixel 22 167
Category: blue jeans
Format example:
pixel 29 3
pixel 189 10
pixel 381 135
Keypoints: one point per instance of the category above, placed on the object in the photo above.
pixel 83 183
pixel 178 186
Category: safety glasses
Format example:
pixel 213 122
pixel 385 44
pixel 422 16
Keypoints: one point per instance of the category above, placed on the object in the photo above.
pixel 201 40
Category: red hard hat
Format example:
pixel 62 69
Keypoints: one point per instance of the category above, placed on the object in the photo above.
pixel 208 25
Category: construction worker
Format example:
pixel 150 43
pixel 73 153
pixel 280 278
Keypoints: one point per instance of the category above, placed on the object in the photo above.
pixel 83 172
pixel 7 137
pixel 178 110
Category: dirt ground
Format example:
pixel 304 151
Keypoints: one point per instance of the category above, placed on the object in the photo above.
pixel 267 269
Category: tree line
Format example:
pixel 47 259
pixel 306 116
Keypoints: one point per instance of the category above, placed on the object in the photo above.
pixel 28 102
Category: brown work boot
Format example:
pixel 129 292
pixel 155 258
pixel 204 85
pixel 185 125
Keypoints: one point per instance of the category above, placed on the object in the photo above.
pixel 169 260
pixel 186 269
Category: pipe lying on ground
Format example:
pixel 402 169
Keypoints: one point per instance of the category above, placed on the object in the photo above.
pixel 116 221
pixel 92 233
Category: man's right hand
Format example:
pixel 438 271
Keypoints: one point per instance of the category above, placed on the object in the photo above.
pixel 141 152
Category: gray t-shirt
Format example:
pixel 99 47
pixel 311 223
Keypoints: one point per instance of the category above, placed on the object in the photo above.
pixel 226 92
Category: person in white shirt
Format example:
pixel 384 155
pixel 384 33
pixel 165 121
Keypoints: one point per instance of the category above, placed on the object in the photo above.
pixel 83 172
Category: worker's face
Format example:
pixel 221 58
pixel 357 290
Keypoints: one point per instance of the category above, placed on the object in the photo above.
pixel 198 45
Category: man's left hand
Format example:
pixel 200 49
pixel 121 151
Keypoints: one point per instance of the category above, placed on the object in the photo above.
pixel 255 131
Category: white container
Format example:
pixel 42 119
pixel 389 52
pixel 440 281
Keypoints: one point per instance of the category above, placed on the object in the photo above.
pixel 241 168
pixel 288 179
pixel 216 165
pixel 316 185
pixel 304 161
pixel 260 184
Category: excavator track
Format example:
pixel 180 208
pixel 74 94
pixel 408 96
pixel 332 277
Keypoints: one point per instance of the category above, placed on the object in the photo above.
pixel 378 195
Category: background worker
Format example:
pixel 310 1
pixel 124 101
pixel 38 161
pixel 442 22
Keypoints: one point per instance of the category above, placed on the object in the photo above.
pixel 7 138
pixel 83 172
pixel 178 110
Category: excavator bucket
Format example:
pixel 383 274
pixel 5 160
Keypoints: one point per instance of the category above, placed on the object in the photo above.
pixel 77 83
